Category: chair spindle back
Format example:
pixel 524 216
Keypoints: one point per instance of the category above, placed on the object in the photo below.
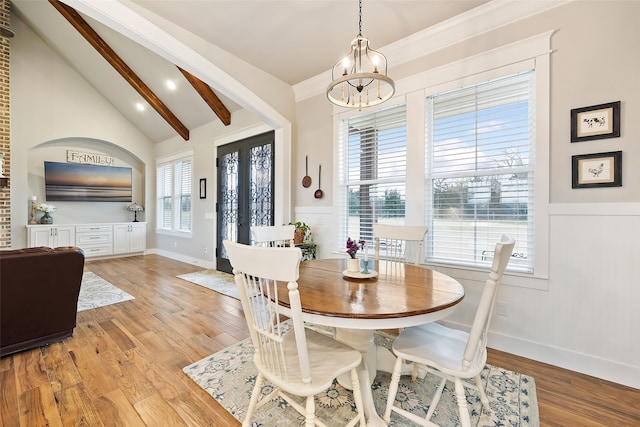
pixel 399 243
pixel 258 270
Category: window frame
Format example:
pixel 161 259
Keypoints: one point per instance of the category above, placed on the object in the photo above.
pixel 524 79
pixel 173 161
pixel 531 53
pixel 345 182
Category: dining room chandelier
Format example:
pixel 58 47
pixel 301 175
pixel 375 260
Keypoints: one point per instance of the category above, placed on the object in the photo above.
pixel 360 78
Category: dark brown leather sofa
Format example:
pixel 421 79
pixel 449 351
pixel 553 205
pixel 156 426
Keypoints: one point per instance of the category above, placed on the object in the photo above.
pixel 39 290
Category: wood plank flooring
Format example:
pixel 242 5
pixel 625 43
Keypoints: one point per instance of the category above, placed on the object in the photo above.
pixel 123 365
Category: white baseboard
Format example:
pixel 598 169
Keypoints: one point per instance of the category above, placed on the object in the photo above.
pixel 183 258
pixel 609 370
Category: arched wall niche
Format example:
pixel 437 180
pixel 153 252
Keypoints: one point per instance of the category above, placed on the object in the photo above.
pixel 85 212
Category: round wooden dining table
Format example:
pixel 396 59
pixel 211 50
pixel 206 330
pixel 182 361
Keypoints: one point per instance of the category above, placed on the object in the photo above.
pixel 399 296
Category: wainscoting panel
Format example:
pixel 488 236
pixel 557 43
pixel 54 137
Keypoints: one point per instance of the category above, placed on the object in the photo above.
pixel 585 317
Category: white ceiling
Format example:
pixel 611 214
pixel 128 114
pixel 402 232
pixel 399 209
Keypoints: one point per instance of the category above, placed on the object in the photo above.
pixel 293 40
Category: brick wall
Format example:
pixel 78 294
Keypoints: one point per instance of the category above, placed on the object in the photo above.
pixel 5 149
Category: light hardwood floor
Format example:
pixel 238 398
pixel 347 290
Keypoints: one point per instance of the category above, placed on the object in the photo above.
pixel 123 365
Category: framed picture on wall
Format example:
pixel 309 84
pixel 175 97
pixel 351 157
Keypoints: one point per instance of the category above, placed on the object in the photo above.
pixel 595 122
pixel 597 170
pixel 203 188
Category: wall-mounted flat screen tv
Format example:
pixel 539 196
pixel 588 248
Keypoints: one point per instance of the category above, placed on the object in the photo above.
pixel 80 182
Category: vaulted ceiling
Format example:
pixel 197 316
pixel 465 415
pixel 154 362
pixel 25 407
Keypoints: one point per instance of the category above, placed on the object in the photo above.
pixel 293 40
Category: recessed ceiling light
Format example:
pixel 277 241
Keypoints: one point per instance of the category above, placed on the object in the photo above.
pixel 140 106
pixel 171 85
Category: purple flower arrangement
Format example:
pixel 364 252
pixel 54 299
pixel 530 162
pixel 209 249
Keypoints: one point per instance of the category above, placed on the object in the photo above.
pixel 353 246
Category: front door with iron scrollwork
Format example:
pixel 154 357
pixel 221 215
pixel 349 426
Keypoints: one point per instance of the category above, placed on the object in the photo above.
pixel 245 191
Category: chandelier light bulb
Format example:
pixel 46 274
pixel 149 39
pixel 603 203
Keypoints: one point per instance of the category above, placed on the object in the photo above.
pixel 375 60
pixel 345 64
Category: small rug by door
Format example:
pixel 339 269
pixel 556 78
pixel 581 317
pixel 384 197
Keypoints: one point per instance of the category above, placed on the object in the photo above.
pixel 229 376
pixel 215 280
pixel 96 292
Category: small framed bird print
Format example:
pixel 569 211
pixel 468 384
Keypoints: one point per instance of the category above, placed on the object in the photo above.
pixel 597 170
pixel 595 122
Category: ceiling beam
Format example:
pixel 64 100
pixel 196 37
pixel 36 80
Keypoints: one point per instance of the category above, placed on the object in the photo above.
pixel 121 67
pixel 209 97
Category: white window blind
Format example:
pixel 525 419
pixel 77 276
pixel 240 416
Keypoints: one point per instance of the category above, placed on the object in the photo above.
pixel 479 171
pixel 372 172
pixel 183 194
pixel 173 192
pixel 164 177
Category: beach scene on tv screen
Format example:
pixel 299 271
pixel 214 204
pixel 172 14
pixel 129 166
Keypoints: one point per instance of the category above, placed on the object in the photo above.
pixel 80 182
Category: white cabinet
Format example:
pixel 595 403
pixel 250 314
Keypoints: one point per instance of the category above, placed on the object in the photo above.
pixel 129 238
pixel 52 236
pixel 95 239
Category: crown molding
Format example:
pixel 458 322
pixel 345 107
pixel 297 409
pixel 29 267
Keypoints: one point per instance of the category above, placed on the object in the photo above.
pixel 477 21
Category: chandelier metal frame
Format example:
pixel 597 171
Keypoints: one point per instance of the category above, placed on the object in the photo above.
pixel 360 78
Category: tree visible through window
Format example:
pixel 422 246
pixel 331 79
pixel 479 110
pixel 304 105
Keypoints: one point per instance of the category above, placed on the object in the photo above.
pixel 373 171
pixel 480 145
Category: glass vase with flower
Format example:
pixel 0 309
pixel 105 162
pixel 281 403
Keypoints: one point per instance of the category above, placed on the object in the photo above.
pixel 46 209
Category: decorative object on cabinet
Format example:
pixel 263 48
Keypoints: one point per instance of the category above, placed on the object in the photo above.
pixel 47 209
pixel 597 170
pixel 33 220
pixel 135 208
pixel 46 219
pixel 203 188
pixel 595 122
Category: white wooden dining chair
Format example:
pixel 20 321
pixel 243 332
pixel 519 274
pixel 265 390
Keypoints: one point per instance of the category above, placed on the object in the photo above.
pixel 273 235
pixel 399 242
pixel 452 354
pixel 296 360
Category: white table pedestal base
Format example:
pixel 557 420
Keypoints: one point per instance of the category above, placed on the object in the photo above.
pixel 375 359
pixel 362 340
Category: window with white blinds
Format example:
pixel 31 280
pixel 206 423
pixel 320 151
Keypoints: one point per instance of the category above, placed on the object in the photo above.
pixel 479 171
pixel 173 189
pixel 372 164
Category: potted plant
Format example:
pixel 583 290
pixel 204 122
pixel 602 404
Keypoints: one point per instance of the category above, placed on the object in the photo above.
pixel 302 233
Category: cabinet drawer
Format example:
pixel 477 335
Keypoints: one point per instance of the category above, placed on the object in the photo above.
pixel 93 228
pixel 90 238
pixel 97 250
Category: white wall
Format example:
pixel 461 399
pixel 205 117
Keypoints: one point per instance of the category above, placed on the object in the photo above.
pixel 53 109
pixel 584 317
pixel 199 248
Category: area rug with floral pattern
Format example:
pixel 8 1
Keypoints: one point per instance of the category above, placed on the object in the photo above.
pixel 96 292
pixel 229 376
pixel 215 280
